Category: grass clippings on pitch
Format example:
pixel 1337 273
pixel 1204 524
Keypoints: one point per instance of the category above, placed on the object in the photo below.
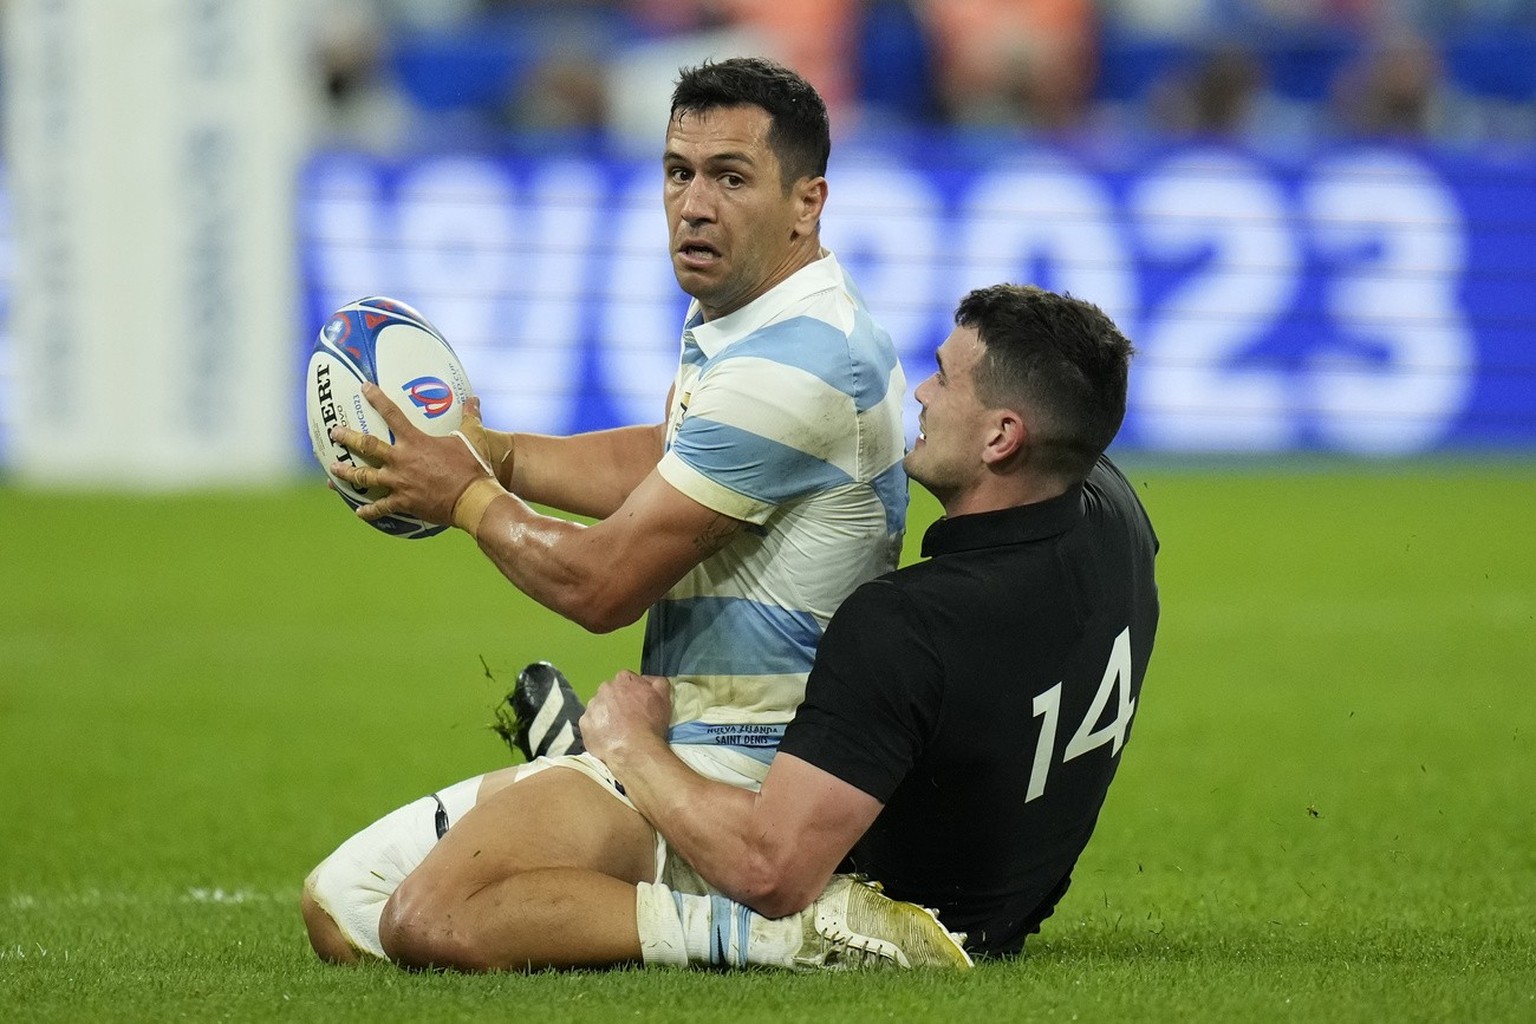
pixel 1324 813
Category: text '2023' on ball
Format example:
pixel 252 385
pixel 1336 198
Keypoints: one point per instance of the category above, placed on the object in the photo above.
pixel 387 343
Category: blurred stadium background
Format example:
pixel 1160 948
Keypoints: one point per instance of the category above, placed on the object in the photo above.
pixel 1315 217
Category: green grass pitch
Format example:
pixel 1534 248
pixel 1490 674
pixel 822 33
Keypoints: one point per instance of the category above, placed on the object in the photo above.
pixel 1325 812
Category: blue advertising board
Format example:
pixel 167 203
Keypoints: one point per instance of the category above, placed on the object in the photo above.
pixel 1368 300
pixel 1365 300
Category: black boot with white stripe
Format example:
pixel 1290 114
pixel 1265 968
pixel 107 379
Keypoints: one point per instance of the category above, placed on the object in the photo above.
pixel 545 714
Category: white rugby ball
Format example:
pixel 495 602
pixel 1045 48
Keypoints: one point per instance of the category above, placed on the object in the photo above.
pixel 390 344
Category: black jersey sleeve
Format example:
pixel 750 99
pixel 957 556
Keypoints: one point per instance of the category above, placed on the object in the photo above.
pixel 873 698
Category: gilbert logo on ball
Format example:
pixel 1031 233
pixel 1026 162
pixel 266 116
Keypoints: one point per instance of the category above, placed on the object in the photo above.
pixel 388 343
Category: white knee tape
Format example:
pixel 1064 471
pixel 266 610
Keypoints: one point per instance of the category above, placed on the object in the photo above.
pixel 353 884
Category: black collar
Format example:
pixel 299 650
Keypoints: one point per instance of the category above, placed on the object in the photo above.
pixel 1016 525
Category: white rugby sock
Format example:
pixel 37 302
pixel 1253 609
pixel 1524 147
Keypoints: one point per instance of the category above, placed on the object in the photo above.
pixel 678 929
pixel 663 940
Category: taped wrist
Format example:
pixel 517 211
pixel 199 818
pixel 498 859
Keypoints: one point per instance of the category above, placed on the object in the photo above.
pixel 498 449
pixel 470 507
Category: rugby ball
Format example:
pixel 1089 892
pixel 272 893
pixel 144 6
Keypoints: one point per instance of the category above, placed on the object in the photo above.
pixel 388 343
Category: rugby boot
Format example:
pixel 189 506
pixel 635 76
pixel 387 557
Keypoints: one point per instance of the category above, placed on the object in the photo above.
pixel 853 925
pixel 541 716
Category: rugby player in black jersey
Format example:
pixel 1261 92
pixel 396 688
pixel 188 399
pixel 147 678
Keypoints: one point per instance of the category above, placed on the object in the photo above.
pixel 966 714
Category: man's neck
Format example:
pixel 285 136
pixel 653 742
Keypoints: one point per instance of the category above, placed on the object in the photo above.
pixel 798 260
pixel 996 493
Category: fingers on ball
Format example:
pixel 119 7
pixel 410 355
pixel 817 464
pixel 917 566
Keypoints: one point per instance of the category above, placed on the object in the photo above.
pixel 371 447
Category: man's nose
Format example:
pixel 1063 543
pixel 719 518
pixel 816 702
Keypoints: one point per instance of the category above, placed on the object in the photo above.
pixel 697 204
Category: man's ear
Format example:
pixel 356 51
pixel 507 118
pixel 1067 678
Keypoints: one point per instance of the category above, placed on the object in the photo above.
pixel 811 199
pixel 1010 436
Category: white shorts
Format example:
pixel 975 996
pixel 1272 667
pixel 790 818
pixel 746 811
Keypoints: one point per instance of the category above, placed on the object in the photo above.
pixel 353 883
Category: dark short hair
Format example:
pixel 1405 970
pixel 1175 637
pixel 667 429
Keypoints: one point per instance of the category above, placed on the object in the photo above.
pixel 1059 356
pixel 800 134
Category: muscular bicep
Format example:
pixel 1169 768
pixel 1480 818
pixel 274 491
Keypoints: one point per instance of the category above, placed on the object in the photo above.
pixel 652 540
pixel 604 576
pixel 810 819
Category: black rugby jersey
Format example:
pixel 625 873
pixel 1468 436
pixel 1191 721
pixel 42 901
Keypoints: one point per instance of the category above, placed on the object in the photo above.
pixel 984 697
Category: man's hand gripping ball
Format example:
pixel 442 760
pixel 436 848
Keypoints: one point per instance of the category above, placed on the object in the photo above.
pixel 439 479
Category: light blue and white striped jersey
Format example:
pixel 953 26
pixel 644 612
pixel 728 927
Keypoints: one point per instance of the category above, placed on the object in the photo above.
pixel 787 414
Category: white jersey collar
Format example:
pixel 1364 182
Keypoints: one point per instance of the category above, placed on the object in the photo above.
pixel 713 336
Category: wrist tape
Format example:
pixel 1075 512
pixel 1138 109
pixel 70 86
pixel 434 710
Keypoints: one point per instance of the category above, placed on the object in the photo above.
pixel 470 507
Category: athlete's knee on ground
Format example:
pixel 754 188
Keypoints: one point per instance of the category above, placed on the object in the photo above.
pixel 475 902
pixel 344 896
pixel 416 928
pixel 325 935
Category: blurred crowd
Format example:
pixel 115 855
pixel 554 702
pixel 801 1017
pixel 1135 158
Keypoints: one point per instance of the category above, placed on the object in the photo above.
pixel 400 74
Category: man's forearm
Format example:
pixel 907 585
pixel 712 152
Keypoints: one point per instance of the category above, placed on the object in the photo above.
pixel 561 564
pixel 584 474
pixel 773 849
pixel 711 825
